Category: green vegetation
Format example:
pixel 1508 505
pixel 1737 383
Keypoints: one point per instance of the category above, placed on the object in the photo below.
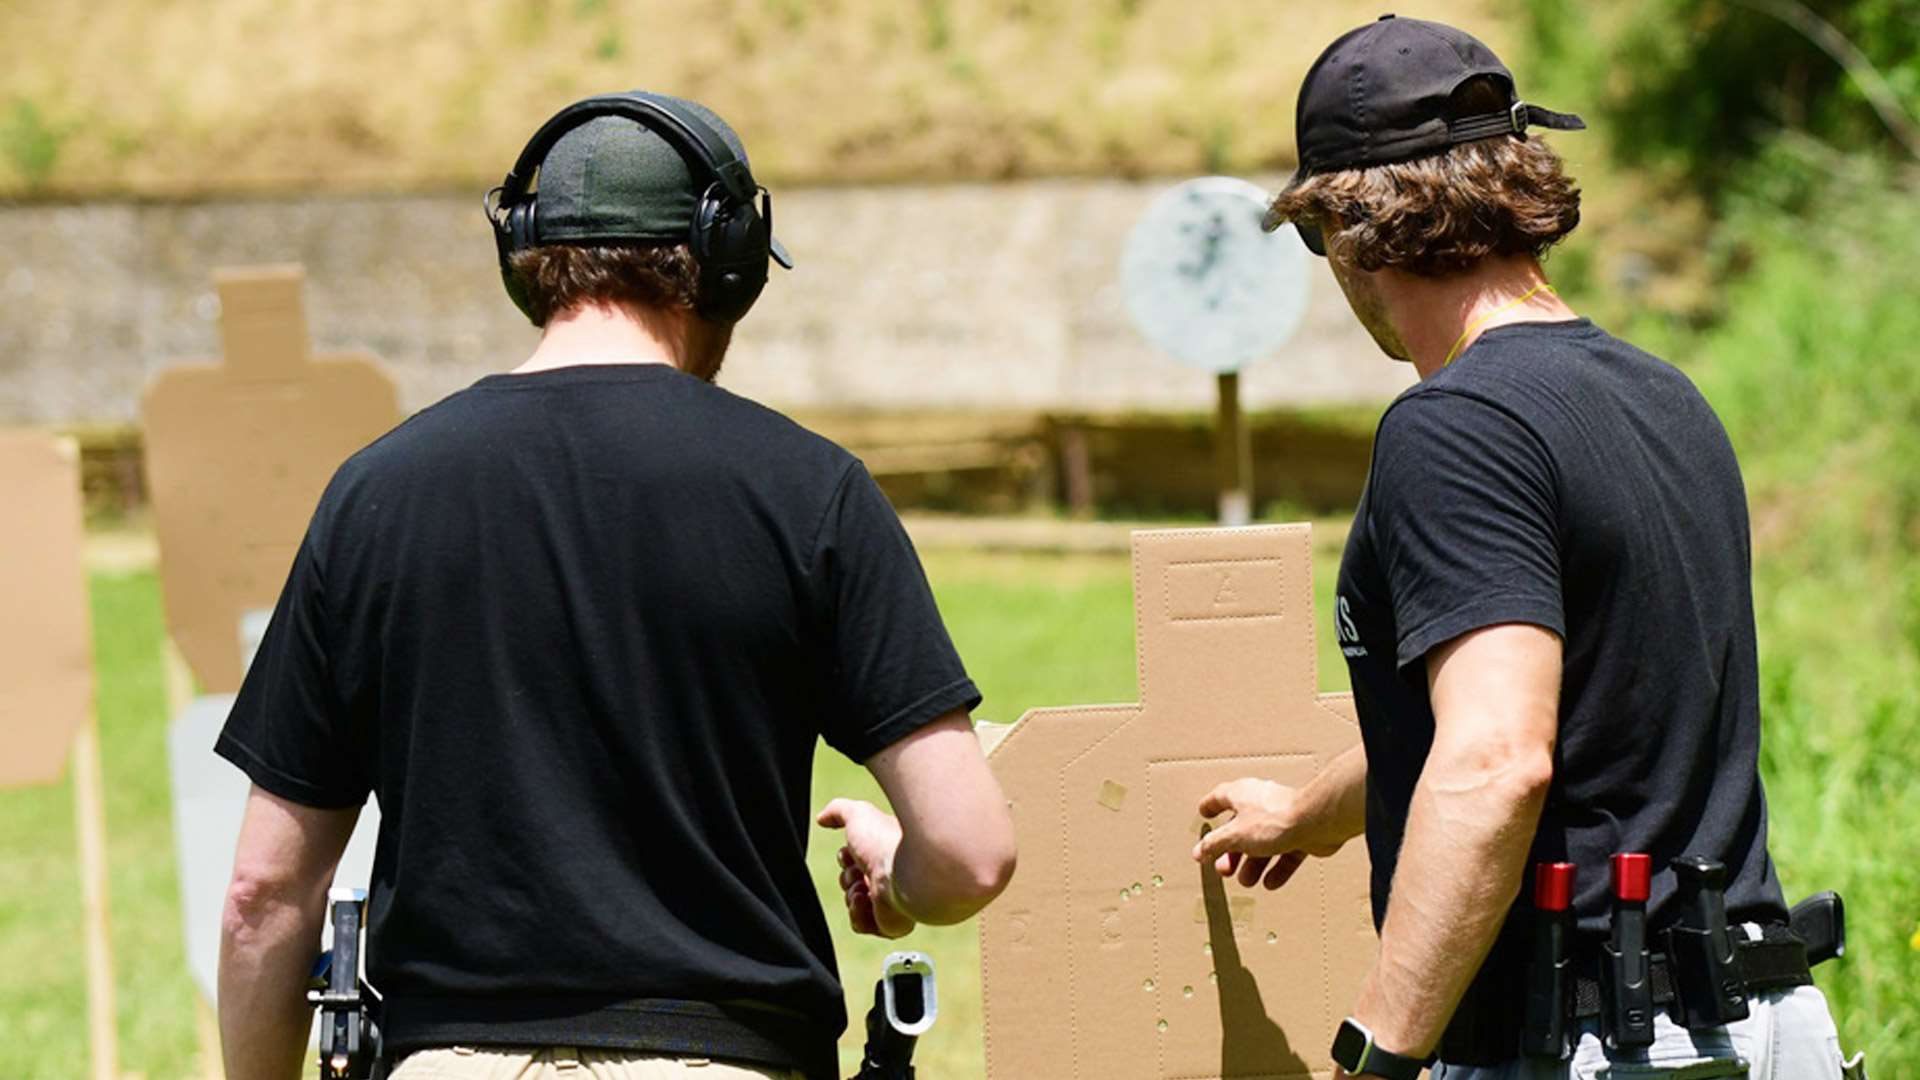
pixel 30 144
pixel 1700 87
pixel 1813 367
pixel 1799 188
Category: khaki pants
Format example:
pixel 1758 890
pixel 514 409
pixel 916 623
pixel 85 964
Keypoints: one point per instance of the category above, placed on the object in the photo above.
pixel 570 1063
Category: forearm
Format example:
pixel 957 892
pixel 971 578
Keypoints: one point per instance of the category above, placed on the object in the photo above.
pixel 937 890
pixel 267 949
pixel 1336 797
pixel 1463 855
pixel 955 851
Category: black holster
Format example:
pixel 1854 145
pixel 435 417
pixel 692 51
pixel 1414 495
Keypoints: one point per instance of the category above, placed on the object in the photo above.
pixel 1487 1027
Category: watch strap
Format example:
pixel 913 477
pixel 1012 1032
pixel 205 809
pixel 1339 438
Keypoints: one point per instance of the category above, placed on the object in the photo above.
pixel 1355 1051
pixel 1389 1065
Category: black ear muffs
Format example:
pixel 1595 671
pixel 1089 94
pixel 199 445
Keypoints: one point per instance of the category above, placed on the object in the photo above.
pixel 730 243
pixel 731 238
pixel 514 231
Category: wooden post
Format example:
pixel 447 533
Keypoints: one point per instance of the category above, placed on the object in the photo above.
pixel 46 684
pixel 1233 455
pixel 91 825
pixel 207 1025
pixel 1076 463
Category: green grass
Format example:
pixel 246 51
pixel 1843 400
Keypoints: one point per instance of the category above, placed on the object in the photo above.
pixel 42 987
pixel 1036 630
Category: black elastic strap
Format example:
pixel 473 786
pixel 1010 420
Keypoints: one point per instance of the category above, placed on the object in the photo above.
pixel 1776 962
pixel 1558 121
pixel 1772 964
pixel 1586 990
pixel 1513 121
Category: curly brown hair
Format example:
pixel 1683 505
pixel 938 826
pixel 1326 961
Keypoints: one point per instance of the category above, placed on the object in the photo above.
pixel 1437 216
pixel 635 277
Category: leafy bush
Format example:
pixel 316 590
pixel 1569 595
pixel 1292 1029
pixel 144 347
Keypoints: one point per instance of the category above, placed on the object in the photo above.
pixel 1814 365
pixel 1701 86
pixel 1808 345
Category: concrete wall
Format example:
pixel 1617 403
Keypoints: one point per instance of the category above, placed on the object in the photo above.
pixel 961 296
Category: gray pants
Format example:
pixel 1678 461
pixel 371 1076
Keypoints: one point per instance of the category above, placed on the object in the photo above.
pixel 1789 1036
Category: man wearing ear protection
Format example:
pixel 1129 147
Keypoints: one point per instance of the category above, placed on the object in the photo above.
pixel 580 627
pixel 1545 604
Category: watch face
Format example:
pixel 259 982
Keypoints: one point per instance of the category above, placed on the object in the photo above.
pixel 1205 283
pixel 1350 1045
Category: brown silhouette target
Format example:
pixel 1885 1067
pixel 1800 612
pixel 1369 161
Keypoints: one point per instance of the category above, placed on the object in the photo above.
pixel 237 455
pixel 1113 954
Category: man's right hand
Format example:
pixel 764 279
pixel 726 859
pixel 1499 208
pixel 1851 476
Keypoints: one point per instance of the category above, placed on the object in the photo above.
pixel 866 866
pixel 1271 832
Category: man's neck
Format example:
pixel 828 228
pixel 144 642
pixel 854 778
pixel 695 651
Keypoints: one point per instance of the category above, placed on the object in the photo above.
pixel 603 335
pixel 1439 318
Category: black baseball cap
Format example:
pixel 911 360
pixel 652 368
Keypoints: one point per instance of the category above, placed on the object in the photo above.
pixel 614 179
pixel 1381 94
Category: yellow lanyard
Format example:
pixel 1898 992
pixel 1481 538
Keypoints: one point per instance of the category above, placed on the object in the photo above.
pixel 1482 320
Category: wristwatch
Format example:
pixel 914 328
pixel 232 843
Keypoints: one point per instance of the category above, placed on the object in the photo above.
pixel 1354 1050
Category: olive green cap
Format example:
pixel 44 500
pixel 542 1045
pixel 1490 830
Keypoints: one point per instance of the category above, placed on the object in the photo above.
pixel 613 179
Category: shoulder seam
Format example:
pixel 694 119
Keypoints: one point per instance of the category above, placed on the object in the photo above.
pixel 1533 433
pixel 833 500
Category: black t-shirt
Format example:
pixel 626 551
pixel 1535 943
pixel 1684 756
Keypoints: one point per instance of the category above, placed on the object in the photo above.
pixel 1557 476
pixel 579 631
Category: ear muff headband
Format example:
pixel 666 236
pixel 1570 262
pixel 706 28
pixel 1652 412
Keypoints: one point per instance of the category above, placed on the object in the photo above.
pixel 730 238
pixel 696 142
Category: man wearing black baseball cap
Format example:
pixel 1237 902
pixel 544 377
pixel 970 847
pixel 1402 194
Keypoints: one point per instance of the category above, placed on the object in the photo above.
pixel 1546 610
pixel 580 627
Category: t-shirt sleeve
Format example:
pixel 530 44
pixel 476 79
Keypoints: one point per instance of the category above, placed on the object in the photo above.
pixel 894 666
pixel 289 731
pixel 1463 511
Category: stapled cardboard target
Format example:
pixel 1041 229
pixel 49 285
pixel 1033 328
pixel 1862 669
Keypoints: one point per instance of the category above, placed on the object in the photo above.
pixel 1115 956
pixel 46 645
pixel 238 453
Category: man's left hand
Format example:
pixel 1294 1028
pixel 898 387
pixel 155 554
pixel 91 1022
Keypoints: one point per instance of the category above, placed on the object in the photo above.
pixel 866 866
pixel 1267 838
